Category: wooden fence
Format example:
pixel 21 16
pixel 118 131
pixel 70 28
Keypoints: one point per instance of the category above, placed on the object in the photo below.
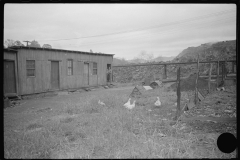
pixel 179 78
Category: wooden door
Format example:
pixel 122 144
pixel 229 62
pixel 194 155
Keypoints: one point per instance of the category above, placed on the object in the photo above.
pixel 9 77
pixel 86 73
pixel 108 73
pixel 54 75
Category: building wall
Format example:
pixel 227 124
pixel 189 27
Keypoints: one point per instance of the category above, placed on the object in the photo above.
pixel 12 56
pixel 42 80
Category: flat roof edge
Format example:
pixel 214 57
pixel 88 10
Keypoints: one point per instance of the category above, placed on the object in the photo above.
pixel 10 50
pixel 61 50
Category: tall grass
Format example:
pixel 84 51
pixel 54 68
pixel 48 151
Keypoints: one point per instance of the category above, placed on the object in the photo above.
pixel 87 130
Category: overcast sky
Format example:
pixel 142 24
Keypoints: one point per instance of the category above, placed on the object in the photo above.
pixel 121 29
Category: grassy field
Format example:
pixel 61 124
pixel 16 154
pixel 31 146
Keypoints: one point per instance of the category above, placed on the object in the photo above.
pixel 76 126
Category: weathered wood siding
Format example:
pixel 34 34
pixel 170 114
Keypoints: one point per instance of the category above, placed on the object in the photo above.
pixel 12 56
pixel 42 80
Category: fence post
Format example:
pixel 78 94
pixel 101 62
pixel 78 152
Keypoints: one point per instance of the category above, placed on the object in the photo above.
pixel 209 78
pixel 223 72
pixel 217 73
pixel 225 69
pixel 232 67
pixel 165 71
pixel 112 76
pixel 178 95
pixel 196 90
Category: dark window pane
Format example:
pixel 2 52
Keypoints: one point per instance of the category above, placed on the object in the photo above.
pixel 30 72
pixel 69 71
pixel 94 65
pixel 30 64
pixel 94 71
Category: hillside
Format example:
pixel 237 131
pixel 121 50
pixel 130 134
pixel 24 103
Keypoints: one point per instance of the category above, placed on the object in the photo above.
pixel 207 51
pixel 214 51
pixel 122 61
pixel 163 59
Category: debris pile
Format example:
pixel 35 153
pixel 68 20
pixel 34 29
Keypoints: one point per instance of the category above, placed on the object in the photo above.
pixel 156 84
pixel 11 101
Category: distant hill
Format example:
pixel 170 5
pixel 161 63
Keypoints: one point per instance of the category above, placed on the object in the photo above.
pixel 164 59
pixel 121 61
pixel 207 51
pixel 137 60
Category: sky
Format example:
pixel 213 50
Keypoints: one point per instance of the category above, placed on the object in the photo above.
pixel 125 30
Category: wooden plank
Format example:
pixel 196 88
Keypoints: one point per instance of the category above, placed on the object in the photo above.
pixel 200 96
pixel 217 73
pixel 223 71
pixel 9 77
pixel 165 72
pixel 172 63
pixel 54 75
pixel 178 95
pixel 230 78
pixel 169 80
pixel 196 89
pixel 209 78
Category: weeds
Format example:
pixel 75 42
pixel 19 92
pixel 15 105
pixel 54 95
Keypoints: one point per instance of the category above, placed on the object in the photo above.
pixel 112 133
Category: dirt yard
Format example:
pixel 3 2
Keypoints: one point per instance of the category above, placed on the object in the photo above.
pixel 76 126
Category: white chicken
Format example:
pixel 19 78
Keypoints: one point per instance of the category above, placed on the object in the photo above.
pixel 128 103
pixel 158 102
pixel 101 103
pixel 131 106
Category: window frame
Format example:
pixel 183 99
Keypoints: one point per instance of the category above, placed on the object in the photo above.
pixel 34 68
pixel 69 67
pixel 95 68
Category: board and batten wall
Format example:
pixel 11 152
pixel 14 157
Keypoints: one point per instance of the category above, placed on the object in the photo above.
pixel 42 80
pixel 12 56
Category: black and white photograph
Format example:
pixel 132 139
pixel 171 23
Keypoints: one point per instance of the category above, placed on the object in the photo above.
pixel 120 80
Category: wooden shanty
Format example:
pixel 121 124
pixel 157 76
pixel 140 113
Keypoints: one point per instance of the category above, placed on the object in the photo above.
pixel 29 70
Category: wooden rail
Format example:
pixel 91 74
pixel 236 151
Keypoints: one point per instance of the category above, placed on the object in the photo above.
pixel 133 65
pixel 178 95
pixel 186 63
pixel 165 80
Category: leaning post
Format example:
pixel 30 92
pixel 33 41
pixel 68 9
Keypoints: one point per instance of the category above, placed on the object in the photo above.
pixel 217 73
pixel 178 95
pixel 222 71
pixel 225 69
pixel 196 90
pixel 112 76
pixel 209 78
pixel 165 71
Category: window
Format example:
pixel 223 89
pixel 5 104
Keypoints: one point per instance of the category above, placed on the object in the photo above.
pixel 30 68
pixel 94 68
pixel 70 67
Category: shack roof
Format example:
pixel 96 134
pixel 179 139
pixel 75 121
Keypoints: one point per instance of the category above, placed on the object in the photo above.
pixel 9 50
pixel 59 50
